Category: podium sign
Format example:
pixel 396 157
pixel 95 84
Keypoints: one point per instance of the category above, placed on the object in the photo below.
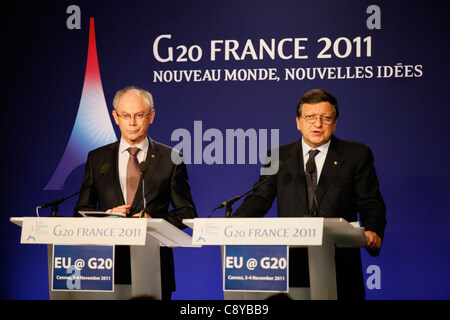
pixel 83 268
pixel 255 268
pixel 95 231
pixel 254 231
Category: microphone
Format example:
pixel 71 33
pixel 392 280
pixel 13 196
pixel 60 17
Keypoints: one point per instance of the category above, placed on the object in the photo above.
pixel 227 204
pixel 143 167
pixel 310 168
pixel 106 168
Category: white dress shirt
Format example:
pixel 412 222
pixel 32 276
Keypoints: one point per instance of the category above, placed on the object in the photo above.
pixel 319 159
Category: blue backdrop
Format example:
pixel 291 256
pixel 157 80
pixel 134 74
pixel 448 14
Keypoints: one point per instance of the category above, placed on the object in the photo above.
pixel 387 65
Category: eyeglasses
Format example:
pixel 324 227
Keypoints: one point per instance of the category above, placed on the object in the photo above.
pixel 310 118
pixel 137 117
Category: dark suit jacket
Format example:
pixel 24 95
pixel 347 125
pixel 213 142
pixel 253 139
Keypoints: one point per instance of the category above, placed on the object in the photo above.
pixel 348 184
pixel 165 183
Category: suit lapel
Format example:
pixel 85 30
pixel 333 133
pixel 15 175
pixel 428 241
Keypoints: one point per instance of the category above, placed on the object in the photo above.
pixel 295 166
pixel 331 166
pixel 115 164
pixel 153 156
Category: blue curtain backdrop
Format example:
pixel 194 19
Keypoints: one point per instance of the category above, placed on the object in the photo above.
pixel 391 82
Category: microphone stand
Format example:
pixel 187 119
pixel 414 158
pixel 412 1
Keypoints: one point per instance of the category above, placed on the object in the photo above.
pixel 227 204
pixel 143 166
pixel 55 203
pixel 310 169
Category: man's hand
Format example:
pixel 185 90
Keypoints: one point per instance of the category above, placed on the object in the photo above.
pixel 373 241
pixel 141 214
pixel 125 209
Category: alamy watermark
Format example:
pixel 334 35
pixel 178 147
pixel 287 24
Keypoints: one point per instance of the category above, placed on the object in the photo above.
pixel 374 277
pixel 234 146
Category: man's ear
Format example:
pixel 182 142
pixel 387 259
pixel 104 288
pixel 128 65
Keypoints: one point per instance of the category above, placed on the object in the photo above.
pixel 116 117
pixel 297 119
pixel 152 116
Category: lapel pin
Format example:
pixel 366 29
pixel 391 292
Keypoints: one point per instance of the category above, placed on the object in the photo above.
pixel 153 155
pixel 335 163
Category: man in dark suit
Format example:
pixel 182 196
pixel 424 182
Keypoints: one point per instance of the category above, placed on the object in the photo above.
pixel 346 183
pixel 165 182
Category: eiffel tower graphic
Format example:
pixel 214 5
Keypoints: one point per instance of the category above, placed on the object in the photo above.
pixel 93 127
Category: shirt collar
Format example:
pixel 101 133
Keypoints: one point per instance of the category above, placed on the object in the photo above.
pixel 123 145
pixel 323 148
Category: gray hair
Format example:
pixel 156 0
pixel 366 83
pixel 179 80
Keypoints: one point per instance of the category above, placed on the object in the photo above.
pixel 145 94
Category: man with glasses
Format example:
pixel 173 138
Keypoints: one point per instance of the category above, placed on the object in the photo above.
pixel 329 177
pixel 120 190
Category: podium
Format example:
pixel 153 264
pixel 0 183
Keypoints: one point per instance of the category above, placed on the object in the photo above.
pixel 144 236
pixel 319 235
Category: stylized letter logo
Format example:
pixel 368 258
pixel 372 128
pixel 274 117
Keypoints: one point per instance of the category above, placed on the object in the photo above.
pixel 93 127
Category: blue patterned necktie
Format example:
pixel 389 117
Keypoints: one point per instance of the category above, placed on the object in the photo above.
pixel 311 179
